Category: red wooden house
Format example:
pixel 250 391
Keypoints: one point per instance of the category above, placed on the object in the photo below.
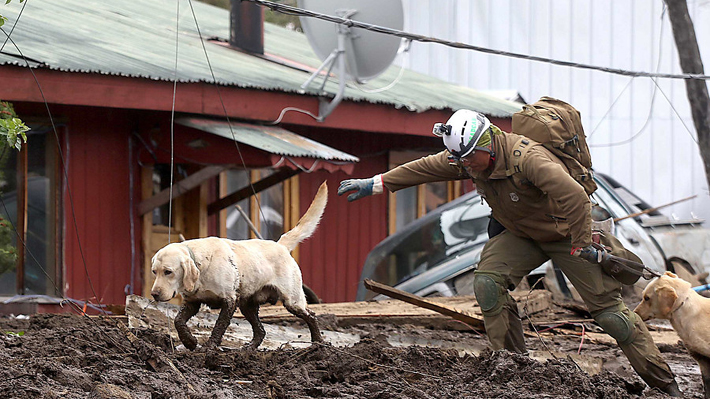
pixel 117 92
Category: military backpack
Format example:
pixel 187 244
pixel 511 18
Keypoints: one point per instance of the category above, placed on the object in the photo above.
pixel 558 127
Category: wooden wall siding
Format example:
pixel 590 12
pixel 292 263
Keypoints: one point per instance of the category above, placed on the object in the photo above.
pixel 99 183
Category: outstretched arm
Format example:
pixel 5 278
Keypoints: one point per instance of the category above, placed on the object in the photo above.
pixel 432 168
pixel 429 169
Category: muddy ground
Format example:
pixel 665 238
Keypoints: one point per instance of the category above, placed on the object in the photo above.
pixel 70 356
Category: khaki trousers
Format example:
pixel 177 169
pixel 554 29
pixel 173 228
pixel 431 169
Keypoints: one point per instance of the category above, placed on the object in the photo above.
pixel 514 257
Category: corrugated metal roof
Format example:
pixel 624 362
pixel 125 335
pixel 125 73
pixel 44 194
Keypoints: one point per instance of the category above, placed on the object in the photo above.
pixel 272 139
pixel 136 38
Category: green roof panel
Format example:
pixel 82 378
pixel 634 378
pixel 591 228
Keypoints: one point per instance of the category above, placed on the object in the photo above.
pixel 138 39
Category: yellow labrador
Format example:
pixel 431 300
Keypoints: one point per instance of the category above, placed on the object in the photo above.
pixel 672 298
pixel 224 274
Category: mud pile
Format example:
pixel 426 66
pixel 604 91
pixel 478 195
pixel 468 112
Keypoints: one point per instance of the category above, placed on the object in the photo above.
pixel 63 356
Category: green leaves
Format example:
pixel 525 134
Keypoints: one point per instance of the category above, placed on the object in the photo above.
pixel 15 334
pixel 11 126
pixel 14 131
pixel 3 19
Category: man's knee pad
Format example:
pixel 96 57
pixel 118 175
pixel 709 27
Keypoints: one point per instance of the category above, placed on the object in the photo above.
pixel 618 324
pixel 490 291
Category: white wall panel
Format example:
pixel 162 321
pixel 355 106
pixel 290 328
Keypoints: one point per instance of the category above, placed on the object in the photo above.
pixel 661 163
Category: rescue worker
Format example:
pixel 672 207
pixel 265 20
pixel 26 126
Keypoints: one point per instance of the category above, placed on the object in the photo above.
pixel 538 214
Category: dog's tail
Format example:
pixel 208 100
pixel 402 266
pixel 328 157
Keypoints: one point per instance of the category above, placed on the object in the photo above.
pixel 308 223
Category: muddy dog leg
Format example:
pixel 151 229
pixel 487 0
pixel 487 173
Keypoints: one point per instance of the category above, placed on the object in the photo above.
pixel 187 310
pixel 229 306
pixel 309 317
pixel 250 310
pixel 704 363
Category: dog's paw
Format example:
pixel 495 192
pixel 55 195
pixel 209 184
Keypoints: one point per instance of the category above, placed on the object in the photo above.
pixel 251 346
pixel 190 344
pixel 321 342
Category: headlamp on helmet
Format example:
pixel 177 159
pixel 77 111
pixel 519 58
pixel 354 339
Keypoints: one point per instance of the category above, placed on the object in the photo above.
pixel 441 129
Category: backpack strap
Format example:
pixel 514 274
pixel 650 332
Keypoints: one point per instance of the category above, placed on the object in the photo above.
pixel 520 149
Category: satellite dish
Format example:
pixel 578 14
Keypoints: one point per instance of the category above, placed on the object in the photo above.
pixel 359 54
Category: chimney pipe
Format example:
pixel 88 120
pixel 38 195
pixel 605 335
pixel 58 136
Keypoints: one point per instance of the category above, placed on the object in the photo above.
pixel 246 28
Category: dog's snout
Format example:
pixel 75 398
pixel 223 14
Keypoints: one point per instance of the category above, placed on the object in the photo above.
pixel 155 295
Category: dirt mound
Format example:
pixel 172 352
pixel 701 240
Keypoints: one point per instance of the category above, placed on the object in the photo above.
pixel 60 356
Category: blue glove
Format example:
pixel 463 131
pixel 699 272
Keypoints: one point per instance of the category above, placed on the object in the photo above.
pixel 363 187
pixel 591 254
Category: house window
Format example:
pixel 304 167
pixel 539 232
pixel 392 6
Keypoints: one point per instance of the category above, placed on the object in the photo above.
pixel 265 210
pixel 28 187
pixel 406 201
pixel 270 209
pixel 237 226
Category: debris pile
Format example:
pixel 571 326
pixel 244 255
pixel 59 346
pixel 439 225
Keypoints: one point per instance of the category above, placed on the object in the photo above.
pixel 69 356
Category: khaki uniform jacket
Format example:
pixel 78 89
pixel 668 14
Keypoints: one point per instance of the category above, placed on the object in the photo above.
pixel 542 202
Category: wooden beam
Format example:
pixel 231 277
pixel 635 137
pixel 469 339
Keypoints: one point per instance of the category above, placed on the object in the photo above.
pixel 222 218
pixel 473 321
pixel 21 222
pixel 247 191
pixel 293 206
pixel 180 188
pixel 147 229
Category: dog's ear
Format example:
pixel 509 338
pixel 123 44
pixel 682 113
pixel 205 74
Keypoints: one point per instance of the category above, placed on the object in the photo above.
pixel 670 274
pixel 190 274
pixel 666 298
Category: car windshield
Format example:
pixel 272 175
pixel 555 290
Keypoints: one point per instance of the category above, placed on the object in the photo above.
pixel 445 232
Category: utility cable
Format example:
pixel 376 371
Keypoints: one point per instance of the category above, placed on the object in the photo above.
pixel 653 96
pixel 14 25
pixel 226 115
pixel 404 52
pixel 73 212
pixel 63 162
pixel 676 112
pixel 286 9
pixel 71 302
pixel 172 121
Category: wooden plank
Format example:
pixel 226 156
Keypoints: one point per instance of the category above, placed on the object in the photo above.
pixel 392 211
pixel 21 222
pixel 254 207
pixel 222 218
pixel 180 188
pixel 147 230
pixel 476 322
pixel 421 200
pixel 248 191
pixel 292 203
pixel 203 200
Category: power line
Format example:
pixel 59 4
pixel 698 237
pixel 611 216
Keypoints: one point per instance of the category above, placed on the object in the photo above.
pixel 63 163
pixel 286 9
pixel 226 114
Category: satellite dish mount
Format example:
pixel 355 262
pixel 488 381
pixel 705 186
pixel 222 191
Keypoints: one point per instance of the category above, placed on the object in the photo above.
pixel 337 56
pixel 349 51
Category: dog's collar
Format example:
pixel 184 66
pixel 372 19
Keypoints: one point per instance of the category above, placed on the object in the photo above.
pixel 679 306
pixel 192 254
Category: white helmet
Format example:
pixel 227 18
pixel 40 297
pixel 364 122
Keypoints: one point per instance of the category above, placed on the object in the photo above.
pixel 462 131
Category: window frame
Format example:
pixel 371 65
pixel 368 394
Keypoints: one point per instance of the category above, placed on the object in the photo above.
pixel 55 236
